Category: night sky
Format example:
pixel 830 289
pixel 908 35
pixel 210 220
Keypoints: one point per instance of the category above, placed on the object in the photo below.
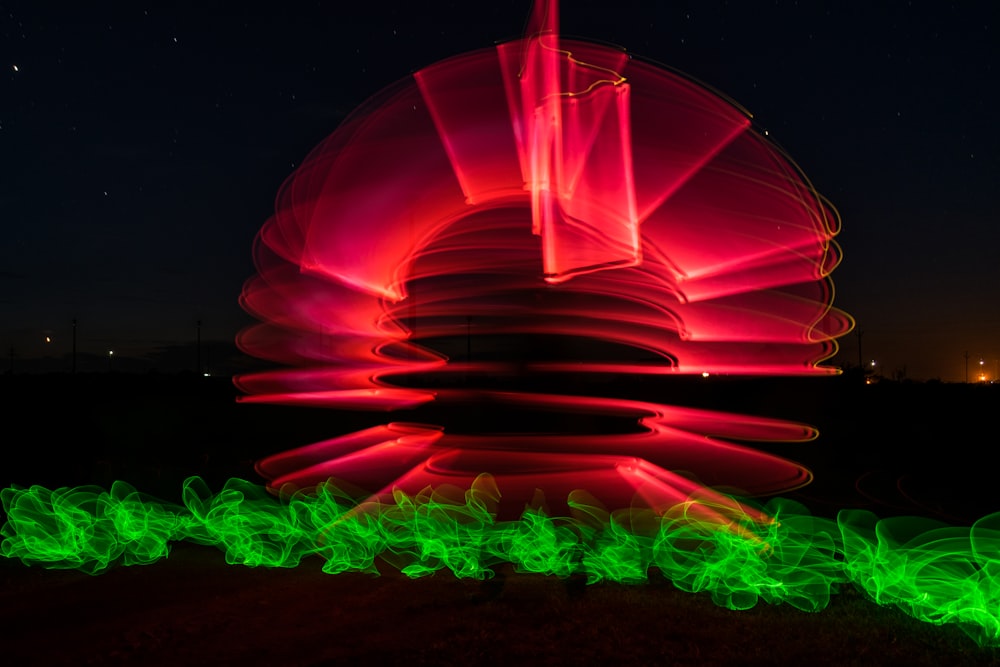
pixel 142 146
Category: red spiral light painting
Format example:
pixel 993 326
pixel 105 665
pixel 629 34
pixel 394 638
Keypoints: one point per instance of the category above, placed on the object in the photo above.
pixel 510 226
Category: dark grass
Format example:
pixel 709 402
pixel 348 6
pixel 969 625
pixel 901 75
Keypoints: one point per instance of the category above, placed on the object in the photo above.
pixel 895 449
pixel 193 609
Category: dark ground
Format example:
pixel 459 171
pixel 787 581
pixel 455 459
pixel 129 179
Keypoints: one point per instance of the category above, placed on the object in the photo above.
pixel 893 448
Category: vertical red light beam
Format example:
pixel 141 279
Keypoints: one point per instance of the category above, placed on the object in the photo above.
pixel 571 124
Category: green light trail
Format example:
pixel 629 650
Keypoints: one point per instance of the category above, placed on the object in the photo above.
pixel 934 572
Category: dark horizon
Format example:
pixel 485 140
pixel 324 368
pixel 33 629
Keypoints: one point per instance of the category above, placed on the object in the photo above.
pixel 209 357
pixel 222 357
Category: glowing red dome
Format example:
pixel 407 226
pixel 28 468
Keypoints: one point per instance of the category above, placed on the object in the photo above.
pixel 542 189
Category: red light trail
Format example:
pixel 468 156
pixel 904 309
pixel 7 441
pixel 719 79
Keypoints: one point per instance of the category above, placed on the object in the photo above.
pixel 545 202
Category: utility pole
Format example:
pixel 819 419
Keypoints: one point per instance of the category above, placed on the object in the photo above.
pixel 861 361
pixel 966 367
pixel 74 345
pixel 197 370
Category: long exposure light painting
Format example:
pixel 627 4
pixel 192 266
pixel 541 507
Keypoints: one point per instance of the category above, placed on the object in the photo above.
pixel 498 213
pixel 488 237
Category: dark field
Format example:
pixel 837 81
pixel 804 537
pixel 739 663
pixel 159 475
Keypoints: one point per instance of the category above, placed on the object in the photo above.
pixel 896 449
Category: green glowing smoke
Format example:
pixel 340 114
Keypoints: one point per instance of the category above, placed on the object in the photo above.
pixel 935 572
